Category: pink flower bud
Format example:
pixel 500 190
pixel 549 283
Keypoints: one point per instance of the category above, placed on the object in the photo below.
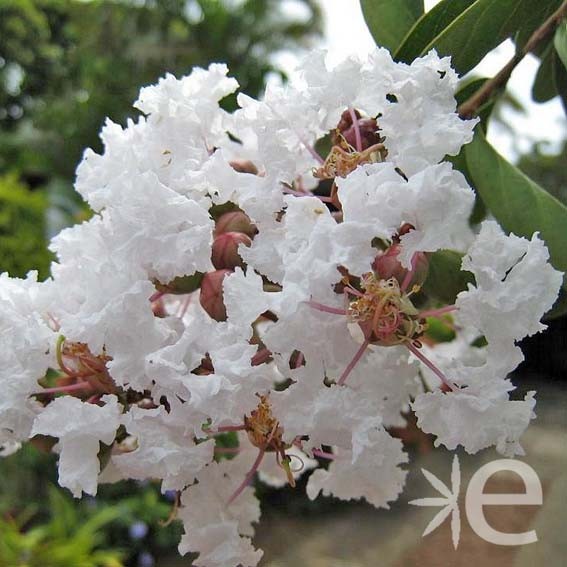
pixel 235 221
pixel 211 295
pixel 367 127
pixel 386 265
pixel 225 250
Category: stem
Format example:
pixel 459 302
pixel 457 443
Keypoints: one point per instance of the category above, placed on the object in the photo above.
pixel 226 428
pixel 325 308
pixel 470 107
pixel 415 351
pixel 353 362
pixel 248 478
pixel 437 312
pixel 356 126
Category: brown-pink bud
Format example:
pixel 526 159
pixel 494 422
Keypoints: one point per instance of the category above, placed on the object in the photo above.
pixel 225 250
pixel 387 265
pixel 244 166
pixel 211 295
pixel 367 127
pixel 235 221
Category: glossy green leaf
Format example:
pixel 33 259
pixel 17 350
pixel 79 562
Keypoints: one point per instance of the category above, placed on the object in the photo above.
pixel 519 204
pixel 390 20
pixel 428 27
pixel 560 80
pixel 475 30
pixel 544 88
pixel 536 12
pixel 560 42
pixel 445 278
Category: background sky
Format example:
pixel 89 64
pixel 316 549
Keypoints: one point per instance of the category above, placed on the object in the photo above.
pixel 346 34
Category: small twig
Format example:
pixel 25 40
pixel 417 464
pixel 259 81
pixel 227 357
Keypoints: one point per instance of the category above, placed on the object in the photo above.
pixel 470 107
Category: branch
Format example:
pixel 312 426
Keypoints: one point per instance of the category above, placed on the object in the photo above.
pixel 470 107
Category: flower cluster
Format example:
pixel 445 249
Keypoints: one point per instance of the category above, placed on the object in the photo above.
pixel 248 298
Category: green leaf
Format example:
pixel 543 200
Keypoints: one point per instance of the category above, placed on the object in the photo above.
pixel 439 330
pixel 428 27
pixel 544 88
pixel 445 278
pixel 560 80
pixel 560 42
pixel 390 20
pixel 475 30
pixel 535 14
pixel 519 204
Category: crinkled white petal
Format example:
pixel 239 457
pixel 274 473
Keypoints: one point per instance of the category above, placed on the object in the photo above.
pixel 80 428
pixel 515 284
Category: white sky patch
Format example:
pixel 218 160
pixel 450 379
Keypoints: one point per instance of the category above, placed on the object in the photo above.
pixel 346 34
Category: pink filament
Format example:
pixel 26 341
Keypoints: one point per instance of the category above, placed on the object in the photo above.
pixel 248 478
pixel 157 295
pixel 185 306
pixel 323 454
pixel 415 351
pixel 353 362
pixel 325 308
pixel 351 291
pixel 358 138
pixel 64 389
pixel 437 312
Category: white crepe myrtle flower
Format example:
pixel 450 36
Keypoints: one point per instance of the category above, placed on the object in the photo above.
pixel 80 428
pixel 27 350
pixel 515 284
pixel 240 306
pixel 163 450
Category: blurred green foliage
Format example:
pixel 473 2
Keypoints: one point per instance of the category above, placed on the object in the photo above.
pixel 22 228
pixel 68 539
pixel 549 170
pixel 135 513
pixel 65 65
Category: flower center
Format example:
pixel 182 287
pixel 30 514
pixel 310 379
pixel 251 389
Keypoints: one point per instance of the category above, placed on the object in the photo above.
pixel 264 430
pixel 385 314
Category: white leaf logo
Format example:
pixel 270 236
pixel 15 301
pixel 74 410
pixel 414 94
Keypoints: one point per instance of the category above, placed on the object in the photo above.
pixel 449 502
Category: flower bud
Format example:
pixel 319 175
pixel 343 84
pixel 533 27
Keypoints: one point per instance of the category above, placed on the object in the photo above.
pixel 386 265
pixel 225 250
pixel 211 296
pixel 368 128
pixel 235 221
